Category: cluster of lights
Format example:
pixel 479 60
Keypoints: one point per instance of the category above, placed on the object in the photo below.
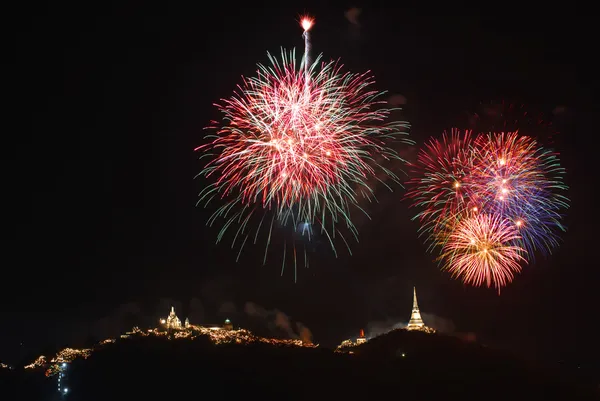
pixel 346 346
pixel 65 356
pixel 217 335
pixel 220 335
pixel 423 328
pixel 5 366
pixel 39 362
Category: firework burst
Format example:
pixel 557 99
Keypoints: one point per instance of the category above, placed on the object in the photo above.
pixel 481 251
pixel 441 185
pixel 519 180
pixel 298 146
pixel 509 179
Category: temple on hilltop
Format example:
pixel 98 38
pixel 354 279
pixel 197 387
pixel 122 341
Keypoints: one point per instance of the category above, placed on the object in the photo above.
pixel 173 322
pixel 416 322
pixel 361 338
pixel 347 345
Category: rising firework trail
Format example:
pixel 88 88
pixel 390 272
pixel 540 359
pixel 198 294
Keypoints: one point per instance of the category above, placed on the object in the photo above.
pixel 306 23
pixel 298 148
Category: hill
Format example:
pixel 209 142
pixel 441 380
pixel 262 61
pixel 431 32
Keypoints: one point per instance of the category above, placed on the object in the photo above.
pixel 403 364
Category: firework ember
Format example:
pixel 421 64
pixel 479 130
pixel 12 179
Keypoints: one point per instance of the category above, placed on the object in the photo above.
pixel 300 143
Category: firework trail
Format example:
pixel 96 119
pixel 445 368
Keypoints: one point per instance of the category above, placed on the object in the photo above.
pixel 306 23
pixel 297 147
pixel 481 251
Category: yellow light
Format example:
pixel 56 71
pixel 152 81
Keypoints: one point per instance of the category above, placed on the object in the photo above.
pixel 456 184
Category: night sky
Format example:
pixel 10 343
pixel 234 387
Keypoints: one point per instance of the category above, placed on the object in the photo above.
pixel 105 112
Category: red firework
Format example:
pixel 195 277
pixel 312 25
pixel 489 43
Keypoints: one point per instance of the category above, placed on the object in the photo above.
pixel 441 186
pixel 290 137
pixel 302 142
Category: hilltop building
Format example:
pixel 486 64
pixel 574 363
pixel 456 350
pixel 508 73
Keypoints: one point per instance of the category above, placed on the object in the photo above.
pixel 347 345
pixel 416 322
pixel 361 338
pixel 173 321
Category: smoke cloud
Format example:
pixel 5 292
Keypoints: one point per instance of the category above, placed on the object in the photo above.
pixel 227 308
pixel 164 307
pixel 277 321
pixel 196 311
pixel 440 324
pixel 352 15
pixel 378 328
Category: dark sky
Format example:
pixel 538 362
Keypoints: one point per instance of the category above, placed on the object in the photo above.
pixel 105 112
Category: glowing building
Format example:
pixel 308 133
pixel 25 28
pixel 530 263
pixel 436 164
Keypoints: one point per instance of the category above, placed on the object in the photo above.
pixel 361 339
pixel 228 325
pixel 173 321
pixel 416 322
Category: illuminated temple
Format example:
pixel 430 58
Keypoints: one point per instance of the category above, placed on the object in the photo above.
pixel 347 345
pixel 416 322
pixel 171 328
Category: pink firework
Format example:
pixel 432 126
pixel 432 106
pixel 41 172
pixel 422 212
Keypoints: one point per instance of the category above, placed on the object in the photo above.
pixel 441 185
pixel 482 249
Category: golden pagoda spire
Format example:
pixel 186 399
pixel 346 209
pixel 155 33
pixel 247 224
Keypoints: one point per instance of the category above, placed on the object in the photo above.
pixel 415 318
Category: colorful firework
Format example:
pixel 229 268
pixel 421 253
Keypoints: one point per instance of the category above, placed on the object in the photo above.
pixel 504 176
pixel 441 184
pixel 298 147
pixel 517 179
pixel 481 250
